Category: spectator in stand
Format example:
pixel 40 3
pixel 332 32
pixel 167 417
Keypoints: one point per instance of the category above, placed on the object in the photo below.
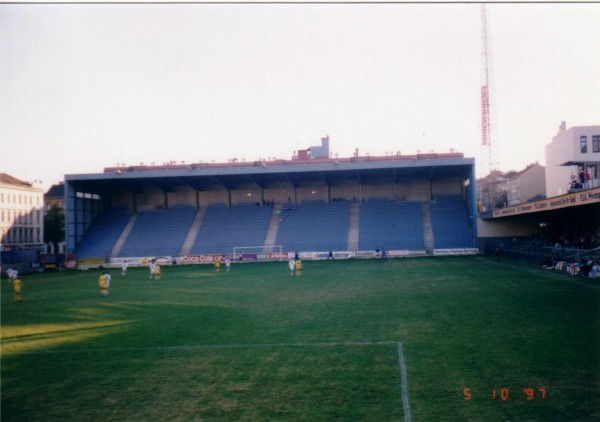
pixel 588 177
pixel 573 268
pixel 581 177
pixel 547 261
pixel 586 267
pixel 574 180
pixel 595 271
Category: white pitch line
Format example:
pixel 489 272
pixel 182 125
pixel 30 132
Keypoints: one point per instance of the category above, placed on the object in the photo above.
pixel 404 383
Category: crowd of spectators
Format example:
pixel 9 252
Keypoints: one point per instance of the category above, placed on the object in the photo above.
pixel 586 267
pixel 553 237
pixel 574 252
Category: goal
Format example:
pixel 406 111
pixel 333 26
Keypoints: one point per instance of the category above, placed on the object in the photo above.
pixel 257 253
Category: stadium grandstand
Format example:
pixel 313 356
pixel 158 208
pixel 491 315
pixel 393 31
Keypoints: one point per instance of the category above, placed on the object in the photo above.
pixel 405 205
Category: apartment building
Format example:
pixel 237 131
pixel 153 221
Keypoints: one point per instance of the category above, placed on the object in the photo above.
pixel 21 214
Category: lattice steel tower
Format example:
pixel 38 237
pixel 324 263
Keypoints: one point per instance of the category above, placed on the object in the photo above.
pixel 487 141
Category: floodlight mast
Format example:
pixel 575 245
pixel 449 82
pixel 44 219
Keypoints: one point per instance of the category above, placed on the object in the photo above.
pixel 486 139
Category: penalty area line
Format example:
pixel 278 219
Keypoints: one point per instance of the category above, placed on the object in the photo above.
pixel 403 383
pixel 399 351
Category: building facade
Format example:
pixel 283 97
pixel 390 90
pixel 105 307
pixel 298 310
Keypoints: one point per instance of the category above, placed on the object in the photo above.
pixel 572 150
pixel 526 185
pixel 55 196
pixel 21 214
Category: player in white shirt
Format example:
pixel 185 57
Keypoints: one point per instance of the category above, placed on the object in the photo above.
pixel 12 274
pixel 292 265
pixel 124 268
pixel 107 277
pixel 227 263
pixel 152 268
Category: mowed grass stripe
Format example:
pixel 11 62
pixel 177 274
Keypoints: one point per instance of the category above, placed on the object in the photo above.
pixel 215 346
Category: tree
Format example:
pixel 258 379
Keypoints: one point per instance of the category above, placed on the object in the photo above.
pixel 54 226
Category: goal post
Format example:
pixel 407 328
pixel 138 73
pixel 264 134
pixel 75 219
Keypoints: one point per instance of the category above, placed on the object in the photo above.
pixel 262 253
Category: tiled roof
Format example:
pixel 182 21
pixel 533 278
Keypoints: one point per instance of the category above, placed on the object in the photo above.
pixel 56 190
pixel 7 179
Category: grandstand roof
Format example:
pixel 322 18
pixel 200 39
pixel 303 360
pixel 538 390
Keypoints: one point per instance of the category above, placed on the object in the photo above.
pixel 269 173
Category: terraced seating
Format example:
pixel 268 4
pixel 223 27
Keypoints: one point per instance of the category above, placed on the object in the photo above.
pixel 224 228
pixel 314 226
pixel 391 225
pixel 450 222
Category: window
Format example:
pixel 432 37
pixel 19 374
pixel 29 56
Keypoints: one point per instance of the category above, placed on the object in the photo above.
pixel 583 144
pixel 596 143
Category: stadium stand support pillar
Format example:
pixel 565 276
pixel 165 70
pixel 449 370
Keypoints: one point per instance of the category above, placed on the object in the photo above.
pixel 427 229
pixel 272 229
pixel 123 237
pixel 191 236
pixel 353 225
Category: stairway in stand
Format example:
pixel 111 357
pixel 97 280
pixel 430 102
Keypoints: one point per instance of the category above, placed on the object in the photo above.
pixel 271 236
pixel 194 229
pixel 353 227
pixel 427 229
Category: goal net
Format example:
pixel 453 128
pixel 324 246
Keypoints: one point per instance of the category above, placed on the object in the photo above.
pixel 257 253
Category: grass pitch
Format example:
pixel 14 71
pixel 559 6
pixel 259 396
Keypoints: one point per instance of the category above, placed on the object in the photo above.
pixel 448 339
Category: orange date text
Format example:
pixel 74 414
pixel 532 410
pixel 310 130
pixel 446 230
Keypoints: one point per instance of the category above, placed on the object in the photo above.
pixel 504 394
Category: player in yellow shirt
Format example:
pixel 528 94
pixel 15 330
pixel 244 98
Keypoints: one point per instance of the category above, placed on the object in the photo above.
pixel 157 272
pixel 218 264
pixel 102 284
pixel 298 267
pixel 17 287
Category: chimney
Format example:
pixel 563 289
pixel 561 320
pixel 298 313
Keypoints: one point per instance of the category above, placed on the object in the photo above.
pixel 562 127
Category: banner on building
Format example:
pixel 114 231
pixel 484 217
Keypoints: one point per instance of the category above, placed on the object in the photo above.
pixel 589 196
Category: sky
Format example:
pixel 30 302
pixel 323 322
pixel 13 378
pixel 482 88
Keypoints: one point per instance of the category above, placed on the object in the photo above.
pixel 89 86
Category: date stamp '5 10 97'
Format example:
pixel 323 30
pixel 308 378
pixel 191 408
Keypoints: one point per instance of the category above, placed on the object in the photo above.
pixel 505 394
